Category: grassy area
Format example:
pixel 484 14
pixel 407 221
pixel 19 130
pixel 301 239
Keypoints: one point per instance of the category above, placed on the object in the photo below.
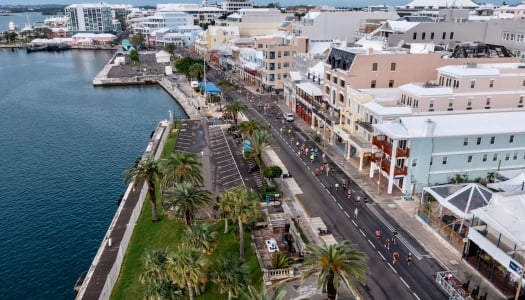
pixel 166 234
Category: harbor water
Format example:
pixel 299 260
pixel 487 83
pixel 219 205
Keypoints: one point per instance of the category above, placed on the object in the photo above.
pixel 64 146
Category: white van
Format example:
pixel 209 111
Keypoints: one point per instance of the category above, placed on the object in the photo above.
pixel 288 117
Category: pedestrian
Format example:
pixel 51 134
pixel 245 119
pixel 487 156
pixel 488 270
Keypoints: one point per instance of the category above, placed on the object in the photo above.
pixel 356 211
pixel 358 200
pixel 291 140
pixel 321 168
pixel 349 194
pixel 324 156
pixel 395 256
pixel 281 131
pixel 327 170
pixel 317 173
pixel 312 157
pixel 409 259
pixel 387 243
pixel 330 187
pixel 344 184
pixel 289 131
pixel 394 238
pixel 378 234
pixel 297 144
pixel 332 172
pixel 337 186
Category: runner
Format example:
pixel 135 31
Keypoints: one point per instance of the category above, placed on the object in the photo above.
pixel 337 186
pixel 395 256
pixel 358 200
pixel 409 258
pixel 378 234
pixel 387 244
pixel 356 211
pixel 349 194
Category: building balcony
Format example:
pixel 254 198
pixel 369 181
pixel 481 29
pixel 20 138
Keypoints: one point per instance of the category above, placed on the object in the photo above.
pixel 385 166
pixel 366 126
pixel 381 142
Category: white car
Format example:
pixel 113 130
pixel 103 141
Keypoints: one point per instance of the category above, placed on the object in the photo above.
pixel 271 244
pixel 288 117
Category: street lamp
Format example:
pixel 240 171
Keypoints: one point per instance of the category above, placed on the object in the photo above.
pixel 379 171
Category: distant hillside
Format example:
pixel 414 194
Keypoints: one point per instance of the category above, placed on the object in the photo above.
pixel 45 9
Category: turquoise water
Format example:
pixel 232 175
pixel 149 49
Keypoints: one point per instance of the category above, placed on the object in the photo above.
pixel 64 146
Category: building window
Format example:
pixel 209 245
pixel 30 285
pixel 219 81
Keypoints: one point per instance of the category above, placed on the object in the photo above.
pixel 452 35
pixel 431 35
pixel 472 83
pixel 484 157
pixel 431 104
pixel 327 76
pixel 469 160
pixel 445 160
pixel 511 139
pixel 374 67
pixel 491 84
pixel 451 102
pixel 465 141
pixel 523 82
pixel 414 162
pixel 342 83
pixel 492 139
pixel 444 36
pixel 478 141
pixel 390 83
pixel 431 160
pixel 414 36
pixel 392 66
pixel 286 53
pixel 373 84
pixel 334 80
pixel 495 157
pixel 423 36
pixel 487 103
pixel 515 156
pixel 469 102
pixel 507 156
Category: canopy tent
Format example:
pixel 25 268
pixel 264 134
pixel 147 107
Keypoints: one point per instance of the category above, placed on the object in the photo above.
pixel 209 87
pixel 460 199
pixel 506 214
pixel 514 184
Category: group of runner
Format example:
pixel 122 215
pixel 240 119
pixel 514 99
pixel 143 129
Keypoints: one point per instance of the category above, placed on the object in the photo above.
pixel 393 241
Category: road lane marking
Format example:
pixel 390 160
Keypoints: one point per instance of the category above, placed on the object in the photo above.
pixel 347 215
pixel 415 295
pixel 353 222
pixel 362 232
pixel 404 282
pixel 339 204
pixel 392 267
pixel 372 244
pixel 380 254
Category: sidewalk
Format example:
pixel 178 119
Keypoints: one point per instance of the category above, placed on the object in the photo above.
pixel 405 214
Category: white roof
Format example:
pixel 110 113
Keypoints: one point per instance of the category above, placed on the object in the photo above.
pixel 516 183
pixel 312 15
pixel 461 199
pixel 310 88
pixel 317 69
pixel 251 65
pixel 492 123
pixel 418 89
pixel 295 76
pixel 94 35
pixel 401 26
pixel 506 214
pixel 383 94
pixel 319 47
pixel 440 3
pixel 463 70
pixel 380 110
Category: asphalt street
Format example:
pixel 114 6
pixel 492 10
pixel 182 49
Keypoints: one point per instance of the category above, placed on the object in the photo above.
pixel 387 280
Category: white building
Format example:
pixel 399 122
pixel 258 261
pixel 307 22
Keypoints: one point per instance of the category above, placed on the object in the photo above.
pixel 235 5
pixel 89 17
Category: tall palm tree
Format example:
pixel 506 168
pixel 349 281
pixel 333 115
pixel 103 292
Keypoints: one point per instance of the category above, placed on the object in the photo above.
pixel 224 208
pixel 259 141
pixel 248 127
pixel 196 71
pixel 162 289
pixel 336 263
pixel 189 269
pixel 230 275
pixel 149 171
pixel 253 294
pixel 233 108
pixel 180 167
pixel 186 199
pixel 244 207
pixel 201 237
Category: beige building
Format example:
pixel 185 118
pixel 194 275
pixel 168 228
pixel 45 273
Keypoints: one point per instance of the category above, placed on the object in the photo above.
pixel 278 53
pixel 256 21
pixel 214 36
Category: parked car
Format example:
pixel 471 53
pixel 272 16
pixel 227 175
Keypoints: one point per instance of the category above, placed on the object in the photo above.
pixel 288 117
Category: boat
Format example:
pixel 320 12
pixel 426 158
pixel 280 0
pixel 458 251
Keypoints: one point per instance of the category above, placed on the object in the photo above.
pixel 36 47
pixel 79 282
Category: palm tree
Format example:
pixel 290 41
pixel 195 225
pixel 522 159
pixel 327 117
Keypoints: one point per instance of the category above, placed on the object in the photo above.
pixel 224 208
pixel 248 127
pixel 230 275
pixel 186 199
pixel 244 207
pixel 281 260
pixel 159 285
pixel 259 141
pixel 201 237
pixel 196 71
pixel 149 171
pixel 189 269
pixel 253 294
pixel 181 166
pixel 336 263
pixel 233 108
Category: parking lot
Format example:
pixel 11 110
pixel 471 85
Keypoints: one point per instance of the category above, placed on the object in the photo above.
pixel 227 172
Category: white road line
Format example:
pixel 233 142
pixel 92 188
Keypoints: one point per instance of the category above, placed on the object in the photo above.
pixel 339 204
pixel 362 232
pixel 415 295
pixel 355 224
pixel 333 198
pixel 347 215
pixel 404 282
pixel 391 267
pixel 380 254
pixel 371 244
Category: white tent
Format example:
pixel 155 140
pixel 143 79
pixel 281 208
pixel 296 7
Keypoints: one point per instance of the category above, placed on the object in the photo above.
pixel 162 57
pixel 514 184
pixel 506 214
pixel 460 199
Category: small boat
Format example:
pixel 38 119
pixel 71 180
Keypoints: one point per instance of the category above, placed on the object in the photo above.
pixel 79 282
pixel 36 47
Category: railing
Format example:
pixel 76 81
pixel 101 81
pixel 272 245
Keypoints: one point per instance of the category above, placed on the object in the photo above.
pixel 454 238
pixel 277 274
pixel 381 142
pixel 385 166
pixel 452 285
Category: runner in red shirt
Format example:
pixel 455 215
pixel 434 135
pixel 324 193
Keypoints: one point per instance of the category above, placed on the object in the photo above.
pixel 395 256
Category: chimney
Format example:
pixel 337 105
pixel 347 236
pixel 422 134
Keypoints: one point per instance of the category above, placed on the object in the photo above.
pixel 429 128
